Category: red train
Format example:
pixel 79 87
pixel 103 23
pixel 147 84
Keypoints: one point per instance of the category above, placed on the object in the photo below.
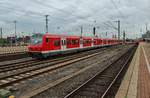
pixel 46 45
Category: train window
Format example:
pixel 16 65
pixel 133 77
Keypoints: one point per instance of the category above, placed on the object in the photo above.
pixel 73 42
pixel 57 43
pixel 76 41
pixel 68 42
pixel 47 40
pixel 84 41
pixel 95 41
pixel 92 41
pixel 87 41
pixel 62 42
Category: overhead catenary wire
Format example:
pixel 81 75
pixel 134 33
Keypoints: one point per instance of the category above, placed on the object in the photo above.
pixel 115 5
pixel 40 14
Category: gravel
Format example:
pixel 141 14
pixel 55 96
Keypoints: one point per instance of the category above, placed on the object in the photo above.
pixel 98 62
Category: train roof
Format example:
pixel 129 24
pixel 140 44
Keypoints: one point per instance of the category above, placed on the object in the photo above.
pixel 70 36
pixel 57 35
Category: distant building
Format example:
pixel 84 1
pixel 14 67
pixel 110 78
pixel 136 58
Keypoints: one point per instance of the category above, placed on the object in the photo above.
pixel 23 40
pixel 11 39
pixel 19 41
pixel 146 36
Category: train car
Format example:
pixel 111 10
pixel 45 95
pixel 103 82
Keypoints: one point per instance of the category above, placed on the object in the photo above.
pixel 44 45
pixel 112 41
pixel 87 42
pixel 105 41
pixel 72 42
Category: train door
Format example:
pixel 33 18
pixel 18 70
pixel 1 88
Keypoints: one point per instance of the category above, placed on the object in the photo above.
pixel 81 42
pixel 63 45
pixel 47 43
pixel 92 42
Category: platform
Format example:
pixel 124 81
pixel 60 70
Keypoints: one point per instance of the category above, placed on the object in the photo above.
pixel 14 49
pixel 136 82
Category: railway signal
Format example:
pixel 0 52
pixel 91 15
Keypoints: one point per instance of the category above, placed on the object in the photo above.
pixel 94 31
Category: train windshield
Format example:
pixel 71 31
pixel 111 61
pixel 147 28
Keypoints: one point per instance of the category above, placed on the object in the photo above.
pixel 36 39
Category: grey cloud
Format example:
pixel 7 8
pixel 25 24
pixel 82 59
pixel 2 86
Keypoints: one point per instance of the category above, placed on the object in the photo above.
pixel 69 15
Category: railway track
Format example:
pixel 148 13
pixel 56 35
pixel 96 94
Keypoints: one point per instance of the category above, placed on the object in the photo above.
pixel 25 73
pixel 100 85
pixel 33 62
pixel 62 78
pixel 14 73
pixel 17 61
pixel 12 56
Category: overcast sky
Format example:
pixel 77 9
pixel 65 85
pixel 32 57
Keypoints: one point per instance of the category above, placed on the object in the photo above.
pixel 67 16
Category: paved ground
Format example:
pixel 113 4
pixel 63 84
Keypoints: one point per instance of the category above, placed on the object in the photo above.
pixel 144 72
pixel 136 83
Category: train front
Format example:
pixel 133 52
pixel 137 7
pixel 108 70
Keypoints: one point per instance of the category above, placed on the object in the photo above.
pixel 35 47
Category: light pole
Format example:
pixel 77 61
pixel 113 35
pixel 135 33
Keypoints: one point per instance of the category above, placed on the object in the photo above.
pixel 15 22
pixel 46 16
pixel 1 30
pixel 124 36
pixel 81 31
pixel 118 28
pixel 94 28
